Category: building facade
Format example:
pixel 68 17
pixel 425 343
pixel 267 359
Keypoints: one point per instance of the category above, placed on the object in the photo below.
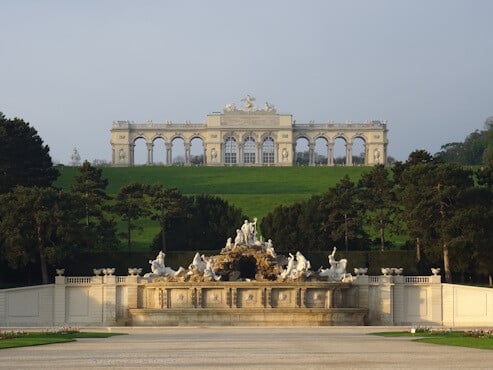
pixel 249 136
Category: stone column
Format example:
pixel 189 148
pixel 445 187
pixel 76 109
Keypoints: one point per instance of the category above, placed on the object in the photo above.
pixel 133 291
pixel 436 300
pixel 386 312
pixel 349 154
pixel 330 154
pixel 150 153
pixel 187 154
pixel 398 298
pixel 168 154
pixel 311 154
pixel 59 314
pixel 109 300
pixel 293 159
pixel 240 154
pixel 131 154
pixel 258 155
pixel 362 283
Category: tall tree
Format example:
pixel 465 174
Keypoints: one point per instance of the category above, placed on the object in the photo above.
pixel 24 159
pixel 432 195
pixel 90 185
pixel 90 188
pixel 211 220
pixel 343 212
pixel 130 206
pixel 166 204
pixel 377 194
pixel 38 225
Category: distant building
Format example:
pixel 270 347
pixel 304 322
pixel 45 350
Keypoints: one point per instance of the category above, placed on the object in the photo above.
pixel 250 136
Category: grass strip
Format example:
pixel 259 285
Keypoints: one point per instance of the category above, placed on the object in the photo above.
pixel 445 338
pixel 40 338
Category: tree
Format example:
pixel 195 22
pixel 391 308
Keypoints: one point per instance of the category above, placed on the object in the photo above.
pixel 343 212
pixel 377 195
pixel 90 185
pixel 210 221
pixel 24 160
pixel 130 206
pixel 165 205
pixel 433 197
pixel 298 226
pixel 38 225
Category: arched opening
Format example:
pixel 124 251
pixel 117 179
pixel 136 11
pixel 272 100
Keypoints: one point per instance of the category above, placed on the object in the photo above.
pixel 230 151
pixel 247 266
pixel 249 150
pixel 320 151
pixel 268 150
pixel 197 151
pixel 359 151
pixel 339 151
pixel 178 151
pixel 159 152
pixel 302 154
pixel 140 152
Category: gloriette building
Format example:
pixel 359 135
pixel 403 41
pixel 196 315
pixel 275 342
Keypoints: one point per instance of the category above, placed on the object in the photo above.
pixel 249 136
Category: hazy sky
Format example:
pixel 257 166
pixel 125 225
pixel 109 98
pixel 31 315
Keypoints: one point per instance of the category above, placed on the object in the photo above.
pixel 72 67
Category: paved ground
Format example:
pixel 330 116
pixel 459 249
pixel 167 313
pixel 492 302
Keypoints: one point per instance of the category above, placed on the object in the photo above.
pixel 246 348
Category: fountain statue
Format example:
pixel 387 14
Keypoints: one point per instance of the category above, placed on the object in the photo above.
pixel 247 283
pixel 247 258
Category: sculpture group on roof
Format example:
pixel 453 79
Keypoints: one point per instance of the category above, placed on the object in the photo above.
pixel 249 106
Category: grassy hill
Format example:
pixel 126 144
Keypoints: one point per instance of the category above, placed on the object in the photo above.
pixel 256 190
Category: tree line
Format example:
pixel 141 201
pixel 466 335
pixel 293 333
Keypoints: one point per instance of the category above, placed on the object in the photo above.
pixel 443 210
pixel 476 149
pixel 42 224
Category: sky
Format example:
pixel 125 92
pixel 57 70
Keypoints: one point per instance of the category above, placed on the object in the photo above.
pixel 71 68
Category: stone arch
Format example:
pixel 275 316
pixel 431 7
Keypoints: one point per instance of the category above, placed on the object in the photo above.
pixel 359 150
pixel 158 150
pixel 249 150
pixel 302 150
pixel 339 153
pixel 321 150
pixel 177 150
pixel 197 150
pixel 139 152
pixel 268 150
pixel 230 150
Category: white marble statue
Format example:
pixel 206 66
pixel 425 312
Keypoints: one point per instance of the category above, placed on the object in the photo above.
pixel 231 107
pixel 302 264
pixel 269 249
pixel 239 238
pixel 248 103
pixel 337 270
pixel 229 244
pixel 198 264
pixel 209 270
pixel 269 107
pixel 158 267
pixel 249 232
pixel 290 268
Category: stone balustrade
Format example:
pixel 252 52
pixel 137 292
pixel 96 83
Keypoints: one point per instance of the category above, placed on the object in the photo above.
pixel 132 300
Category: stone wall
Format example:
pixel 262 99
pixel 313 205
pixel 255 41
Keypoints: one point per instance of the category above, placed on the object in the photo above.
pixel 123 300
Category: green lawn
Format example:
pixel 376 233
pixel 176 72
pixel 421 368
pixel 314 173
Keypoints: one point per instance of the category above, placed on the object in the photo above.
pixel 256 190
pixel 8 340
pixel 471 339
